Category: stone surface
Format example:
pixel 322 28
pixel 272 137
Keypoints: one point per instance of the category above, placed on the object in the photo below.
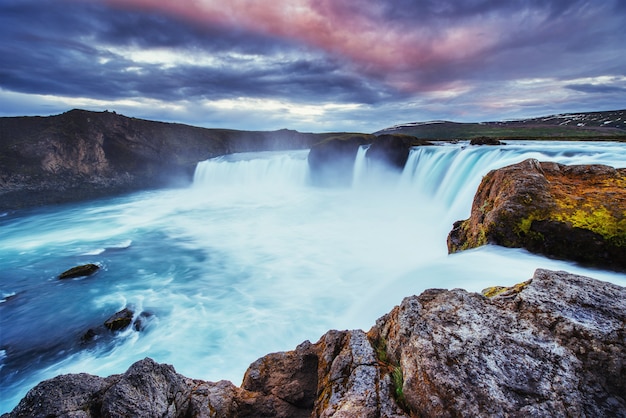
pixel 570 212
pixel 79 271
pixel 119 320
pixel 392 150
pixel 554 345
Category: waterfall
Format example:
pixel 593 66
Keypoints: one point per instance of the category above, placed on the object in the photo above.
pixel 360 166
pixel 254 170
pixel 238 265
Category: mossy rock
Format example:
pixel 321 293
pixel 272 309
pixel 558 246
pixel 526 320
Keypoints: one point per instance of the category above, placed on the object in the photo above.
pixel 573 212
pixel 79 271
pixel 504 291
pixel 120 320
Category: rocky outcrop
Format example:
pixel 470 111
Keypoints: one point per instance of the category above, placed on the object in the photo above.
pixel 392 150
pixel 570 212
pixel 485 140
pixel 552 346
pixel 80 155
pixel 331 161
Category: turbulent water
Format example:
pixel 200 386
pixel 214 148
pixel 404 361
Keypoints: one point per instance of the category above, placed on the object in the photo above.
pixel 249 260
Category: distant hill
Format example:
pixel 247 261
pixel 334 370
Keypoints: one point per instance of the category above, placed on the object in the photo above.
pixel 609 125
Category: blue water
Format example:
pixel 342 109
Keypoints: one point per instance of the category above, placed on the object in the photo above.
pixel 249 260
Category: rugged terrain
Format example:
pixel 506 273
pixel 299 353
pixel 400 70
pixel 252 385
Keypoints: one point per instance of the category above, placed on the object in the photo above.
pixel 554 345
pixel 575 212
pixel 80 155
pixel 609 125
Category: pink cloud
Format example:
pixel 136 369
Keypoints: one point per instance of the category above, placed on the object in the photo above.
pixel 394 53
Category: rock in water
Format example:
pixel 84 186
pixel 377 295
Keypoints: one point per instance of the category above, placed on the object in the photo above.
pixel 573 212
pixel 120 320
pixel 79 271
pixel 554 345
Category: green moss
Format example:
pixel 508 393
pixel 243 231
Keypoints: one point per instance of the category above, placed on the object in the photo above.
pixel 395 372
pixel 598 220
pixel 397 380
pixel 500 290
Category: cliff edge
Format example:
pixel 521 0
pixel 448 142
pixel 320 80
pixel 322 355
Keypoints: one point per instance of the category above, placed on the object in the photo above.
pixel 80 154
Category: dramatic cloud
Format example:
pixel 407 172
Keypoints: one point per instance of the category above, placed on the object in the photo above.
pixel 312 64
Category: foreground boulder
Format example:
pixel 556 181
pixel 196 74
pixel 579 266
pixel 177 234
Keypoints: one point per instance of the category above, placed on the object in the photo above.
pixel 554 345
pixel 573 212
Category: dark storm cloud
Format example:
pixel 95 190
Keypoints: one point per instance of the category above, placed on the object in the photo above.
pixel 60 48
pixel 473 59
pixel 595 88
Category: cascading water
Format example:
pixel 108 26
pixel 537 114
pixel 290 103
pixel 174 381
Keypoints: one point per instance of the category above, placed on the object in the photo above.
pixel 249 260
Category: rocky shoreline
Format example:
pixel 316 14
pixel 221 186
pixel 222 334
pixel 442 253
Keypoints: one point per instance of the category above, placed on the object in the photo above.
pixel 554 345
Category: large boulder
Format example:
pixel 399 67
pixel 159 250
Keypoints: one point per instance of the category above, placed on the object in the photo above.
pixel 551 346
pixel 554 346
pixel 571 212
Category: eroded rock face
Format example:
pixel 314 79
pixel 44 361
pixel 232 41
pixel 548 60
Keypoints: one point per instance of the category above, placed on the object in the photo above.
pixel 554 345
pixel 80 155
pixel 551 349
pixel 570 212
pixel 331 161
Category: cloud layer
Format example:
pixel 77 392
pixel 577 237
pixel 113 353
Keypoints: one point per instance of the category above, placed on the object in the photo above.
pixel 315 65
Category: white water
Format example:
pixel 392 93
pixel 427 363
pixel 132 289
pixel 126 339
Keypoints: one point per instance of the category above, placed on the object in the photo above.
pixel 249 260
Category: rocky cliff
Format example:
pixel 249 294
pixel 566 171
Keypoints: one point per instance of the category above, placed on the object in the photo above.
pixel 554 345
pixel 572 212
pixel 80 154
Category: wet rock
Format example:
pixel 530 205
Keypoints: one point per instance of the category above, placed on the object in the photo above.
pixel 485 140
pixel 551 346
pixel 79 271
pixel 331 161
pixel 120 320
pixel 392 150
pixel 142 320
pixel 569 212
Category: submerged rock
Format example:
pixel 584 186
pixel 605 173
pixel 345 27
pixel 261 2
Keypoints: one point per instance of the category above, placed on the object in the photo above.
pixel 572 212
pixel 79 271
pixel 552 346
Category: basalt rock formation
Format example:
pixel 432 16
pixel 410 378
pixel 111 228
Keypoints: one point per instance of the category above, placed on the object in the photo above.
pixel 554 345
pixel 393 149
pixel 571 212
pixel 80 155
pixel 332 160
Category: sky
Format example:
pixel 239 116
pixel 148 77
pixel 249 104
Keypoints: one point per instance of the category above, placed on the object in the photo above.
pixel 312 65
